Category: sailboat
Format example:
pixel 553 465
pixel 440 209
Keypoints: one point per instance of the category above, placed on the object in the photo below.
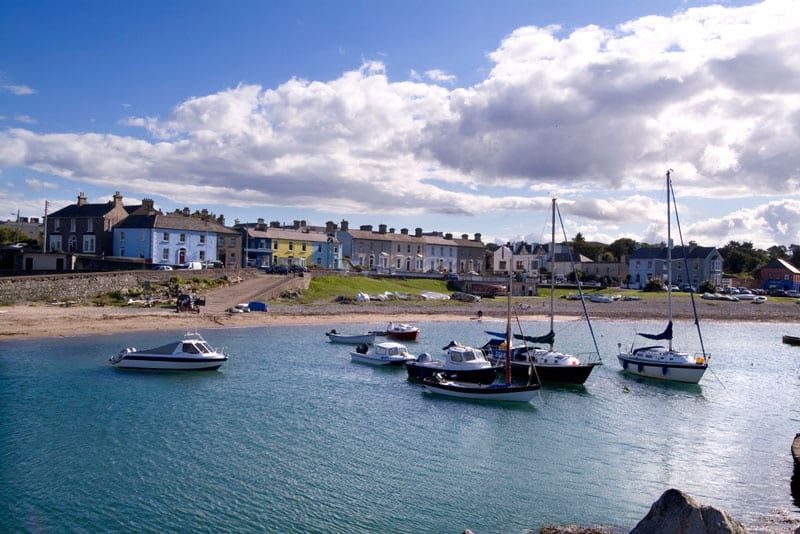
pixel 658 361
pixel 498 391
pixel 549 365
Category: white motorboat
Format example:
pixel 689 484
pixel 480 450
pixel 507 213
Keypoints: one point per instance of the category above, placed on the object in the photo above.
pixel 402 331
pixel 466 364
pixel 192 353
pixel 386 353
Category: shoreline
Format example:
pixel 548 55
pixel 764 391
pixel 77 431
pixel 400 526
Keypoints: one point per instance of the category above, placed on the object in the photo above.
pixel 25 321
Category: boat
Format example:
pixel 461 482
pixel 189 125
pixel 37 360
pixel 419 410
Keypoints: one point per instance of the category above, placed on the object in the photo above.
pixel 467 364
pixel 791 340
pixel 402 331
pixel 438 384
pixel 759 299
pixel 658 361
pixel 192 353
pixel 351 339
pixel 385 353
pixel 548 364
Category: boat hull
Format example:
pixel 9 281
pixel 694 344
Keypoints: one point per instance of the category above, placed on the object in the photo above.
pixel 791 340
pixel 403 336
pixel 370 359
pixel 493 392
pixel 366 339
pixel 418 371
pixel 168 363
pixel 675 372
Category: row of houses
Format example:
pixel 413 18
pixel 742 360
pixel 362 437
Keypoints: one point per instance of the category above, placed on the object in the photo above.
pixel 141 233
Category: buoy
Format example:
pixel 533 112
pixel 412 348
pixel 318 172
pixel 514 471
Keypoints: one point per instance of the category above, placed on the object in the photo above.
pixel 700 360
pixel 626 390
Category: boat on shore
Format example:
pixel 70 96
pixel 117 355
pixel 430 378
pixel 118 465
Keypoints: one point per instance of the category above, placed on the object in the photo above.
pixel 402 331
pixel 658 361
pixel 381 354
pixel 192 353
pixel 351 339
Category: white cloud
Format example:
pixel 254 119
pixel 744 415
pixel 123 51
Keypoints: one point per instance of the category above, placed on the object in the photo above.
pixel 19 90
pixel 597 114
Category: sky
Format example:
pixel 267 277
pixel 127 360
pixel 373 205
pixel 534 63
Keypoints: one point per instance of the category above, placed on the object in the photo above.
pixel 457 116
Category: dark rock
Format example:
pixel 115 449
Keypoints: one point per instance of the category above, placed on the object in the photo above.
pixel 677 513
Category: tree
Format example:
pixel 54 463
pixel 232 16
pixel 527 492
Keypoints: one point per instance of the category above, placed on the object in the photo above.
pixel 742 257
pixel 622 247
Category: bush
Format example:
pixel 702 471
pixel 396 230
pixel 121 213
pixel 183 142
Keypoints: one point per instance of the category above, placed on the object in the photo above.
pixel 654 285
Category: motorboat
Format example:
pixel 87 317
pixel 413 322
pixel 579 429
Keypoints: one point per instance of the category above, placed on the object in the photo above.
pixel 791 340
pixel 351 339
pixel 402 331
pixel 499 391
pixel 385 353
pixel 466 364
pixel 192 353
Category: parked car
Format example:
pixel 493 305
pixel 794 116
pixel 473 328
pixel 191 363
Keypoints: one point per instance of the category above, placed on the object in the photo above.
pixel 451 276
pixel 162 268
pixel 688 288
pixel 192 265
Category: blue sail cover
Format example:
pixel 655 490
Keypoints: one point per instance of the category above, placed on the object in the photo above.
pixel 548 338
pixel 666 334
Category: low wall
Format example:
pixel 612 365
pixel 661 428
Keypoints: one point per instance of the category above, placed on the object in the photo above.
pixel 79 287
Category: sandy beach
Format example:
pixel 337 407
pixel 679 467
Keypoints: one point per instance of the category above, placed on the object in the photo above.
pixel 52 320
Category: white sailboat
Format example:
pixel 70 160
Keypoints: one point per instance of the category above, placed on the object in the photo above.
pixel 550 365
pixel 658 361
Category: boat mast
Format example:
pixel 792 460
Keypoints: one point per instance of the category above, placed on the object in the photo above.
pixel 669 256
pixel 508 324
pixel 553 268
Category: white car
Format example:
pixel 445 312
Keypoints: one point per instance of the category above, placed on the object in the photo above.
pixel 162 268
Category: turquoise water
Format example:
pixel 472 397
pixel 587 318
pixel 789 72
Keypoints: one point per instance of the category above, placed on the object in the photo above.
pixel 290 436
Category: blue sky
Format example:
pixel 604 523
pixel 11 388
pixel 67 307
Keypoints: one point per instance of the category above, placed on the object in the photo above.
pixel 455 116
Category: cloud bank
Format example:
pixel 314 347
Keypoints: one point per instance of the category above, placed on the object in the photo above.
pixel 596 114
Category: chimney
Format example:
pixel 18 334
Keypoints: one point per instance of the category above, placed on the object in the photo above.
pixel 382 228
pixel 365 227
pixel 464 237
pixel 147 205
pixel 418 232
pixel 330 226
pixel 82 199
pixel 296 224
pixel 186 212
pixel 117 199
pixel 404 231
pixel 345 226
pixel 478 237
pixel 448 236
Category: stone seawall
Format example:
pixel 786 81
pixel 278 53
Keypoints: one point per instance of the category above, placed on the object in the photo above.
pixel 80 287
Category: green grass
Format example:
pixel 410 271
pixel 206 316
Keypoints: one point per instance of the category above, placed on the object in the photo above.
pixel 327 288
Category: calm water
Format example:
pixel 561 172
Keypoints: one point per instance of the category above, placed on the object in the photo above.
pixel 290 436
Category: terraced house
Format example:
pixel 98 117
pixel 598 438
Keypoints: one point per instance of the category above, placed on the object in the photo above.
pixel 299 244
pixel 691 265
pixel 86 228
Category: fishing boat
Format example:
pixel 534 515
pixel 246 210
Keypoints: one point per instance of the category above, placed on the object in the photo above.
pixel 192 353
pixel 547 364
pixel 351 339
pixel 496 391
pixel 386 353
pixel 658 361
pixel 402 331
pixel 460 362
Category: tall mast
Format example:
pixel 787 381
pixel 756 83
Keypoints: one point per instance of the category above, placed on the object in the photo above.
pixel 669 256
pixel 552 267
pixel 508 324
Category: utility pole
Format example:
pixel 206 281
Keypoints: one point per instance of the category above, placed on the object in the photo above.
pixel 44 234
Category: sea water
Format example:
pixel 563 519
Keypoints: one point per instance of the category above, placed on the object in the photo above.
pixel 291 436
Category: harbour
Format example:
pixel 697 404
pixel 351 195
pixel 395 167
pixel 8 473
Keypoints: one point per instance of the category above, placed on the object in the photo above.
pixel 291 436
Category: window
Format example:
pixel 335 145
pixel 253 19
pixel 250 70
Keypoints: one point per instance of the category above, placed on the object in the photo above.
pixel 165 237
pixel 122 251
pixel 57 225
pixel 319 248
pixel 202 240
pixel 304 246
pixel 72 225
pixel 182 238
pixel 274 245
pixel 202 255
pixel 165 254
pixel 122 236
pixel 90 225
pixel 141 236
pixel 55 242
pixel 88 243
pixel 291 246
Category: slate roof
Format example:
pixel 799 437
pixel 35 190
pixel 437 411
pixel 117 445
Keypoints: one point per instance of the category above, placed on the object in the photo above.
pixel 74 211
pixel 660 253
pixel 158 221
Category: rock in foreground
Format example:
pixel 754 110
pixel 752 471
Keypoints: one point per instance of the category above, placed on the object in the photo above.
pixel 677 513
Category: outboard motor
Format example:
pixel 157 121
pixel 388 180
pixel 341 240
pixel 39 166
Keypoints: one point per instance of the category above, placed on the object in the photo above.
pixel 424 357
pixel 362 348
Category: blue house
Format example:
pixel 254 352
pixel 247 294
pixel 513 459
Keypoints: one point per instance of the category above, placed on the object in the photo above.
pixel 690 265
pixel 166 239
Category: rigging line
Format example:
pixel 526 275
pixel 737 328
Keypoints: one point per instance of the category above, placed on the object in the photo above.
pixel 530 359
pixel 580 291
pixel 686 267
